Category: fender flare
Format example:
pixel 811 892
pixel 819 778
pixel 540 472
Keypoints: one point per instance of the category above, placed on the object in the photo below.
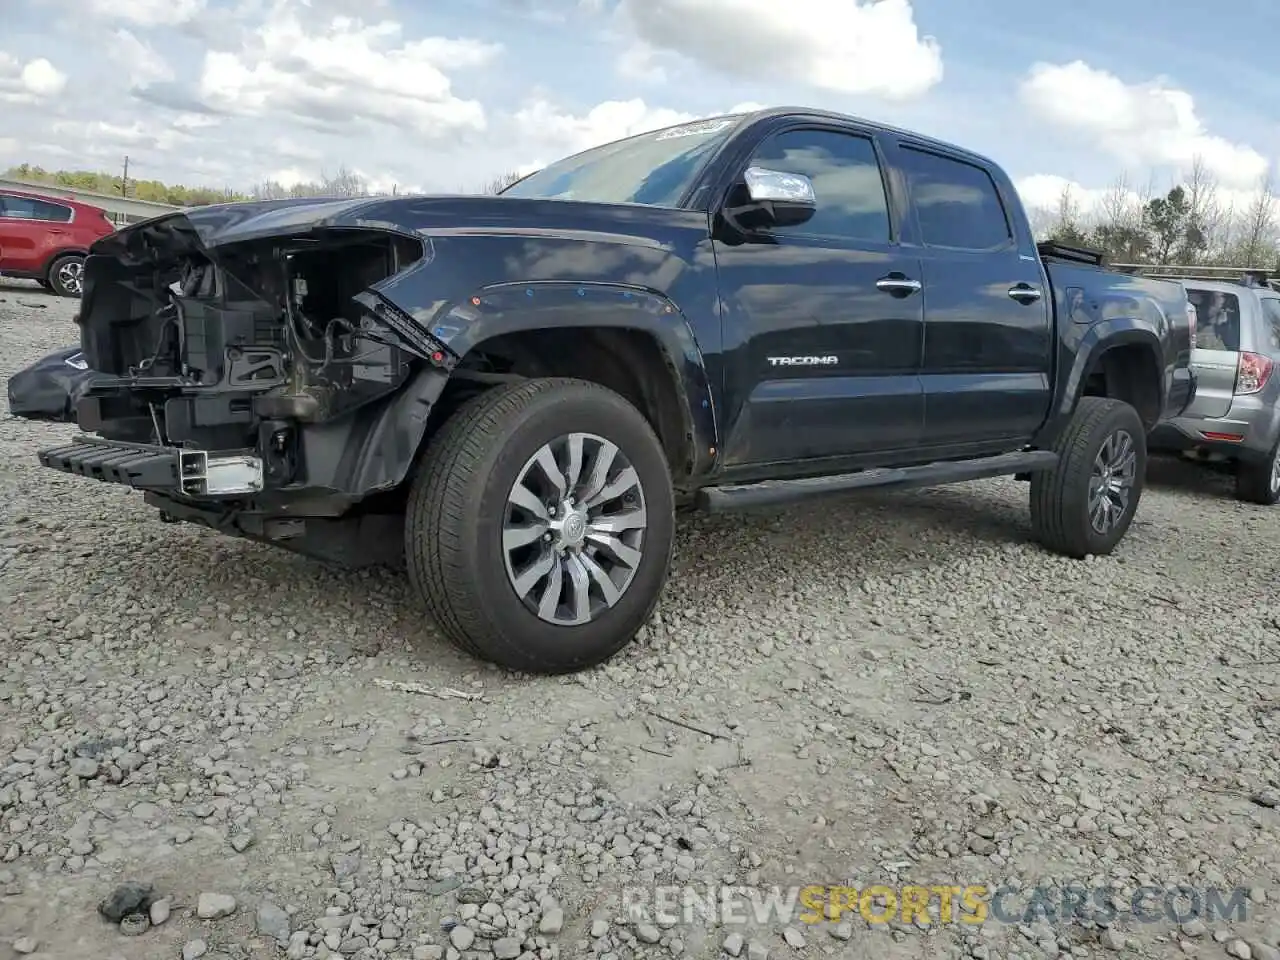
pixel 1080 359
pixel 509 307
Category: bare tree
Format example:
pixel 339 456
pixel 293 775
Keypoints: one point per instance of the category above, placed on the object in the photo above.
pixel 1068 221
pixel 1256 242
pixel 498 184
pixel 1204 234
pixel 1042 220
pixel 1120 230
pixel 344 183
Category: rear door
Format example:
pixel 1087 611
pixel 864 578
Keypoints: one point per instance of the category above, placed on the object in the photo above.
pixel 988 323
pixel 1217 353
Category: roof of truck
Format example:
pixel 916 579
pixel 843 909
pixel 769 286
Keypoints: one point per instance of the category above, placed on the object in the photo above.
pixel 818 114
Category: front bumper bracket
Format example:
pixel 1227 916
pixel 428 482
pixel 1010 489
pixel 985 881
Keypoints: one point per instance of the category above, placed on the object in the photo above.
pixel 142 466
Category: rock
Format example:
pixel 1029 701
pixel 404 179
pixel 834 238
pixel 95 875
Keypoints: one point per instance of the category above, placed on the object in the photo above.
pixel 507 948
pixel 135 925
pixel 1262 951
pixel 1240 950
pixel 127 898
pixel 757 951
pixel 428 951
pixel 842 931
pixel 793 938
pixel 982 846
pixel 1194 927
pixel 648 933
pixel 344 866
pixel 733 945
pixel 194 949
pixel 462 937
pixel 600 928
pixel 1112 939
pixel 26 945
pixel 214 906
pixel 274 922
pixel 552 922
pixel 160 911
pixel 85 768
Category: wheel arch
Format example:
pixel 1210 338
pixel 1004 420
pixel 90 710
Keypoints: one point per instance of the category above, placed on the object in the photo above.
pixel 632 340
pixel 1119 359
pixel 57 255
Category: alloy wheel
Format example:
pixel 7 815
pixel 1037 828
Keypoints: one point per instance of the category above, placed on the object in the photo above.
pixel 1112 480
pixel 573 534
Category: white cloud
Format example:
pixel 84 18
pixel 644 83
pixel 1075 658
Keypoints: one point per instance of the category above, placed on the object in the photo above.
pixel 870 47
pixel 103 137
pixel 139 60
pixel 639 63
pixel 147 13
pixel 542 122
pixel 31 82
pixel 1143 124
pixel 342 71
pixel 1044 191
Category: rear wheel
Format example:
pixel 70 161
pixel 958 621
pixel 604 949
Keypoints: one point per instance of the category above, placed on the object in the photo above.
pixel 1085 505
pixel 65 274
pixel 539 527
pixel 1258 481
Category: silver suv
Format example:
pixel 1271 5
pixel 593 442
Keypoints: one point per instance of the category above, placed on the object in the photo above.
pixel 1235 417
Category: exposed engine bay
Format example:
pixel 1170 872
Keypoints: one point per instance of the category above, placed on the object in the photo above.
pixel 237 350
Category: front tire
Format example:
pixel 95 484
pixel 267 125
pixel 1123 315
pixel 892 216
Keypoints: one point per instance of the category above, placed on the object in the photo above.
pixel 65 275
pixel 1259 481
pixel 515 570
pixel 1085 505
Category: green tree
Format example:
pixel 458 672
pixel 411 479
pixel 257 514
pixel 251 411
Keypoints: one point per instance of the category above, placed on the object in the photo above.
pixel 1169 221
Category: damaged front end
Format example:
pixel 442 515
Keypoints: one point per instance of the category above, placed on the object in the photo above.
pixel 250 376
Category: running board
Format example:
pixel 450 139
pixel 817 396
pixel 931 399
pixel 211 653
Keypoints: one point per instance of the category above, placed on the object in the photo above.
pixel 770 492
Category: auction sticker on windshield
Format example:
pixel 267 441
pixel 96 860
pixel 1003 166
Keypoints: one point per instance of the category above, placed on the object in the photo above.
pixel 699 129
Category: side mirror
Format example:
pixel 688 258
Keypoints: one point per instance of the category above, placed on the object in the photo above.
pixel 777 199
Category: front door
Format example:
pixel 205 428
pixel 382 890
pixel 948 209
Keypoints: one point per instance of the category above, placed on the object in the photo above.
pixel 822 321
pixel 989 337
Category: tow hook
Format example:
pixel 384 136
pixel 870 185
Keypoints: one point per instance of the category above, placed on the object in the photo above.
pixel 167 517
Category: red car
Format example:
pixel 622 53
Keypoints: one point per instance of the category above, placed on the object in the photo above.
pixel 46 239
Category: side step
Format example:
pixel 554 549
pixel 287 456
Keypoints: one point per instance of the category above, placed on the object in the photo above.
pixel 770 492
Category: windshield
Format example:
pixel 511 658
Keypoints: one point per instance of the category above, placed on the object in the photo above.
pixel 653 168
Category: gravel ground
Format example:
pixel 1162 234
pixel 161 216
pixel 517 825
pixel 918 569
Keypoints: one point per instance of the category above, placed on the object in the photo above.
pixel 895 689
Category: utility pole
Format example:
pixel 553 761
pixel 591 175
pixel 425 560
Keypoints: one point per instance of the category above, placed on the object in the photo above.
pixel 124 180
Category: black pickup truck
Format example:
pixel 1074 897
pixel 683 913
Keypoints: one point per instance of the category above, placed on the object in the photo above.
pixel 514 395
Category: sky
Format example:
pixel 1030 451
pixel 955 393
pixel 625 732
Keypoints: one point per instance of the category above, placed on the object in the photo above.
pixel 445 95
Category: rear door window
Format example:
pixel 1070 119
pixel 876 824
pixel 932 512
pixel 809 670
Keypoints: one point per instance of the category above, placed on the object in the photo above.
pixel 1271 322
pixel 1217 319
pixel 28 208
pixel 957 204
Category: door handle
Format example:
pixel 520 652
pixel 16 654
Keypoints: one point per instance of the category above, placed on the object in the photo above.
pixel 898 284
pixel 1024 293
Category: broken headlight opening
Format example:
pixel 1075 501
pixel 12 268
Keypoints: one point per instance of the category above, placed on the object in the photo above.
pixel 236 351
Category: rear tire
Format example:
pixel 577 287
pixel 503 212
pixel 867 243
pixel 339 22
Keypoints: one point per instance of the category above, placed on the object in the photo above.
pixel 1259 481
pixel 465 513
pixel 65 275
pixel 1085 505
